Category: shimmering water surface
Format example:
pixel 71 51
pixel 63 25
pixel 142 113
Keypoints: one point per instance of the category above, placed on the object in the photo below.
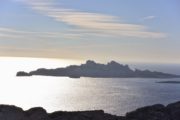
pixel 116 96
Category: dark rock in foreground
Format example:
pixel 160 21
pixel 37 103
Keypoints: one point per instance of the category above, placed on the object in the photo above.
pixel 97 70
pixel 8 112
pixel 154 112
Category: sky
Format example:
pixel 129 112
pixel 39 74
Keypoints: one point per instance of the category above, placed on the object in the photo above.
pixel 102 30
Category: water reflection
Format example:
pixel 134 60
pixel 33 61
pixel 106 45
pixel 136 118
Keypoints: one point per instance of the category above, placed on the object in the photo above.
pixel 115 96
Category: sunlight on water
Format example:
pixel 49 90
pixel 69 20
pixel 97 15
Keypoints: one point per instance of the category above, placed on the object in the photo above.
pixel 116 96
pixel 10 65
pixel 30 91
pixel 35 91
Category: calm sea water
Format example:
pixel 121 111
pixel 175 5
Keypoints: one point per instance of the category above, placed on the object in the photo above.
pixel 116 96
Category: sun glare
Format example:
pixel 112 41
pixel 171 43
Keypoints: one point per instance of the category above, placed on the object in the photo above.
pixel 11 65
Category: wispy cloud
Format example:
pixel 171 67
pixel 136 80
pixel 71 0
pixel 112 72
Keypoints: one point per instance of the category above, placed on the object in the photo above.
pixel 92 23
pixel 15 42
pixel 17 34
pixel 149 17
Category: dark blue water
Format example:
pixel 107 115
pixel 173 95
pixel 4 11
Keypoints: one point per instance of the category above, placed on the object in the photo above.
pixel 119 96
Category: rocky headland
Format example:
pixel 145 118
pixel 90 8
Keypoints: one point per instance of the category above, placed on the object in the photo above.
pixel 97 70
pixel 154 112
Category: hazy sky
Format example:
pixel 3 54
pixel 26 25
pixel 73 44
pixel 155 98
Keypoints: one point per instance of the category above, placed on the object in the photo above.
pixel 123 30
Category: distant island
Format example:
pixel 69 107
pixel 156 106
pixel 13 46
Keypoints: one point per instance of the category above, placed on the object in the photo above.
pixel 169 82
pixel 97 70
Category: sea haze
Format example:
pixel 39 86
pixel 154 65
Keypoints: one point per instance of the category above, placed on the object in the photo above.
pixel 167 68
pixel 116 96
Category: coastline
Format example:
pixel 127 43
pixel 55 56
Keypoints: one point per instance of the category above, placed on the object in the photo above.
pixel 154 112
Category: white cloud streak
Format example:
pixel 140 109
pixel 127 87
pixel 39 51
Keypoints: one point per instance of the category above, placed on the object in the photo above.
pixel 11 33
pixel 149 17
pixel 93 23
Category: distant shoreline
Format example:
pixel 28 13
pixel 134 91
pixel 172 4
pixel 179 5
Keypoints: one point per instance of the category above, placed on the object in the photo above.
pixel 169 82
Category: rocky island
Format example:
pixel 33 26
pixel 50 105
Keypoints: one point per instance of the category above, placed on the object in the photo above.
pixel 154 112
pixel 169 82
pixel 97 70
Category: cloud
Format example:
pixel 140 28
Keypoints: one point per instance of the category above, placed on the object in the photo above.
pixel 149 17
pixel 93 23
pixel 11 33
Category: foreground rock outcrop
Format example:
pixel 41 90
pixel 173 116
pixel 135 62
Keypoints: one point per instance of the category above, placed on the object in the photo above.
pixel 154 112
pixel 8 112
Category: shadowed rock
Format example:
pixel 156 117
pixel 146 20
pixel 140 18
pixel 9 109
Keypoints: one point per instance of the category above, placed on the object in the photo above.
pixel 11 113
pixel 154 112
pixel 8 112
pixel 174 111
pixel 37 113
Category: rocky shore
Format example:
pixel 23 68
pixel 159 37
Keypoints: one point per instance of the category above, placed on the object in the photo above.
pixel 154 112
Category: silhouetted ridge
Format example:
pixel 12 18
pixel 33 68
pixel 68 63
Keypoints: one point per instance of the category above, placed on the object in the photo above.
pixel 154 112
pixel 92 69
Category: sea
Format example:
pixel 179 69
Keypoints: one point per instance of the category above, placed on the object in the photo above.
pixel 113 95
